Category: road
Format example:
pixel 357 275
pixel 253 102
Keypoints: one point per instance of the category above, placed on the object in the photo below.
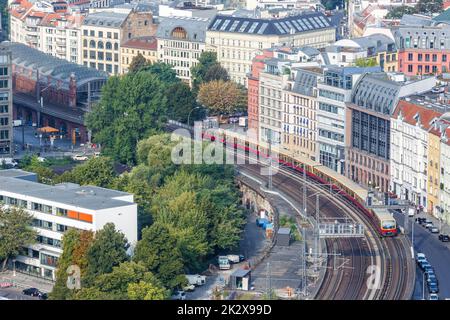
pixel 438 254
pixel 15 294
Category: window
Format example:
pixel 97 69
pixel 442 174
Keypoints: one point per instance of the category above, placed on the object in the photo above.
pixel 410 56
pixel 3 83
pixel 410 68
pixel 444 58
pixel 3 71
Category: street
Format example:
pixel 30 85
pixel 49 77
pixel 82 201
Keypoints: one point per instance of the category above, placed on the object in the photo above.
pixel 437 253
pixel 15 293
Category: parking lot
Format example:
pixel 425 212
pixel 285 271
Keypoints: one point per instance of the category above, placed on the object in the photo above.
pixel 437 253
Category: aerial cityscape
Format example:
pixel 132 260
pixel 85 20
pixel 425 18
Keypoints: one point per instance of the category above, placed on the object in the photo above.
pixel 232 150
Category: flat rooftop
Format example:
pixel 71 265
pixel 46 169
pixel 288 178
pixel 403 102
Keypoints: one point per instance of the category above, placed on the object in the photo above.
pixel 86 197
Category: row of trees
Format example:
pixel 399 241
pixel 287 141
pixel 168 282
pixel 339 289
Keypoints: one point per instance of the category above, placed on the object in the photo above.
pixel 138 104
pixel 422 7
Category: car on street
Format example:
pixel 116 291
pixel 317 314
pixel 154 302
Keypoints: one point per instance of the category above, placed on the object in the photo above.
pixel 433 287
pixel 179 295
pixel 79 157
pixel 428 225
pixel 421 220
pixel 444 237
pixel 33 292
pixel 421 257
pixel 432 278
pixel 424 265
pixel 434 230
pixel 434 296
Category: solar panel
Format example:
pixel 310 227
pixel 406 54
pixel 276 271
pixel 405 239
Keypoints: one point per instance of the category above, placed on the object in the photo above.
pixel 263 28
pixel 234 25
pixel 224 25
pixel 216 23
pixel 253 27
pixel 244 25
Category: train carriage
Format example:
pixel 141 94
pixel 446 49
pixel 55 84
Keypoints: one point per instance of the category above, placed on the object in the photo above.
pixel 385 222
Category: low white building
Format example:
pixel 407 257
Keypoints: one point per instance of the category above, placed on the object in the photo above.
pixel 56 209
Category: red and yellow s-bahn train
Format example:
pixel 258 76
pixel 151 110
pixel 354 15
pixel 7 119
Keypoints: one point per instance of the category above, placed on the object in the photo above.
pixel 383 221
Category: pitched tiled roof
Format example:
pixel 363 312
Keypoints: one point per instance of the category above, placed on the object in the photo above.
pixel 144 43
pixel 411 111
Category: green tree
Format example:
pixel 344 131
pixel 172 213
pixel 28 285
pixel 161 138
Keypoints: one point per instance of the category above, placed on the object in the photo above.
pixel 75 244
pixel 15 232
pixel 108 250
pixel 146 291
pixel 366 62
pixel 158 252
pixel 206 60
pixel 163 71
pixel 44 173
pixel 138 63
pixel 216 72
pixel 429 6
pixel 398 12
pixel 96 171
pixel 121 281
pixel 180 103
pixel 132 107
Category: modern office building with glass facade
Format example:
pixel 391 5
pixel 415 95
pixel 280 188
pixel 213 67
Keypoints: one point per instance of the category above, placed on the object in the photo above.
pixel 6 131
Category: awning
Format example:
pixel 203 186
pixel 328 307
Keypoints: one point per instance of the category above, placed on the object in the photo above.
pixel 48 130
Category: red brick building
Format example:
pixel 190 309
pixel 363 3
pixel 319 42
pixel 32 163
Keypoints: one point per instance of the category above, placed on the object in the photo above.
pixel 253 90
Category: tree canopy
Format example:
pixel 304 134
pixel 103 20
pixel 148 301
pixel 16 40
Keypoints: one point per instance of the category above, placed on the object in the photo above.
pixel 138 63
pixel 15 232
pixel 222 97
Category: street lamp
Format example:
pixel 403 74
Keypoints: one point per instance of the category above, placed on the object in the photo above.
pixel 189 115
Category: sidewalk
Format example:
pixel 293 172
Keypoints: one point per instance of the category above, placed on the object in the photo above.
pixel 24 281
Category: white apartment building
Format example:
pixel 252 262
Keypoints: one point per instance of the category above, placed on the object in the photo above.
pixel 181 40
pixel 56 209
pixel 39 26
pixel 237 40
pixel 334 92
pixel 410 123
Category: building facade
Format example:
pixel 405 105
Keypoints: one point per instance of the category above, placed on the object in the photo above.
pixel 237 40
pixel 445 175
pixel 6 107
pixel 368 114
pixel 103 33
pixel 146 46
pixel 410 125
pixel 423 49
pixel 55 209
pixel 181 41
pixel 334 91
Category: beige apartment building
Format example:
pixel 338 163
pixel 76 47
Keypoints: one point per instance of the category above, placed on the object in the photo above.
pixel 146 46
pixel 181 41
pixel 103 34
pixel 237 40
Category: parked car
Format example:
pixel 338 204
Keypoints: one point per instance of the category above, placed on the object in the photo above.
pixel 434 296
pixel 189 288
pixel 33 292
pixel 433 287
pixel 79 157
pixel 179 295
pixel 431 277
pixel 444 237
pixel 411 212
pixel 421 257
pixel 424 264
pixel 428 225
pixel 420 220
pixel 434 230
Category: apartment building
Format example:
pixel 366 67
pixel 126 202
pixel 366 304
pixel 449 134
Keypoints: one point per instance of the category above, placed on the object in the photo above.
pixel 444 211
pixel 237 40
pixel 146 46
pixel 411 155
pixel 6 107
pixel 300 106
pixel 334 91
pixel 56 209
pixel 423 49
pixel 49 28
pixel 104 32
pixel 181 40
pixel 368 125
